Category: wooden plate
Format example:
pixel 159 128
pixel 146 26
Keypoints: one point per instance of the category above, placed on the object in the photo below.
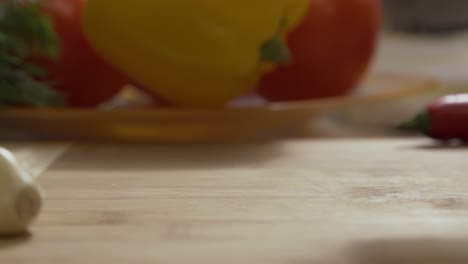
pixel 238 122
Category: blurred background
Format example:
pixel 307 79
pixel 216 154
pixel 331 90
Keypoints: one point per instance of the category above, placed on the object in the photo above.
pixel 426 16
pixel 425 36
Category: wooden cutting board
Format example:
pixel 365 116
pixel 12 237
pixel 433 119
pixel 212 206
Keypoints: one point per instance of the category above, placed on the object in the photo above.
pixel 344 201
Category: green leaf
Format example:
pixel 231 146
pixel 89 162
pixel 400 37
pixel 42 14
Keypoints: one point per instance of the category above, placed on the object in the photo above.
pixel 21 90
pixel 45 36
pixel 39 94
pixel 34 70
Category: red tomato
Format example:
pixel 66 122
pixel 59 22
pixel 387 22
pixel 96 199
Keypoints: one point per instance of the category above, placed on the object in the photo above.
pixel 331 50
pixel 80 73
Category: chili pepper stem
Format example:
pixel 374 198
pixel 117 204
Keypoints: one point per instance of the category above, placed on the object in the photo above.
pixel 408 126
pixel 421 123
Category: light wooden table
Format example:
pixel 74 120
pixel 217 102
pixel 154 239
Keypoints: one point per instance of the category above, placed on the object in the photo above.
pixel 356 201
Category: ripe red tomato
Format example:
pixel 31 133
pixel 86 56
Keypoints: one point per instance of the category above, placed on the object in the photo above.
pixel 80 73
pixel 331 50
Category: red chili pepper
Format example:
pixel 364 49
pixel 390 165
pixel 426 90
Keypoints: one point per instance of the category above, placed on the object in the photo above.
pixel 444 119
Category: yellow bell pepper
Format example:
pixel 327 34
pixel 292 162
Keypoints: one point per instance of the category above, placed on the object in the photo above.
pixel 195 53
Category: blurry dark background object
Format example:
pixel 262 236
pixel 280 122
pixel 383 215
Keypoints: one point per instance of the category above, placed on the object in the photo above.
pixel 426 16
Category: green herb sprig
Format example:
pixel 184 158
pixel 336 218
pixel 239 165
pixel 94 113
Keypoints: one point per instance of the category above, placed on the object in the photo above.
pixel 26 32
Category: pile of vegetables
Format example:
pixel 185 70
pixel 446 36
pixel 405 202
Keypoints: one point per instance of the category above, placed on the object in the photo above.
pixel 204 53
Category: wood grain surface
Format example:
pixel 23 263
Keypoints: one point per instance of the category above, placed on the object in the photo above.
pixel 296 202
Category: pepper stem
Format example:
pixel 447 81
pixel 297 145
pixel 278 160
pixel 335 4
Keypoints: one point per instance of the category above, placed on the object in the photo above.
pixel 420 123
pixel 275 50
